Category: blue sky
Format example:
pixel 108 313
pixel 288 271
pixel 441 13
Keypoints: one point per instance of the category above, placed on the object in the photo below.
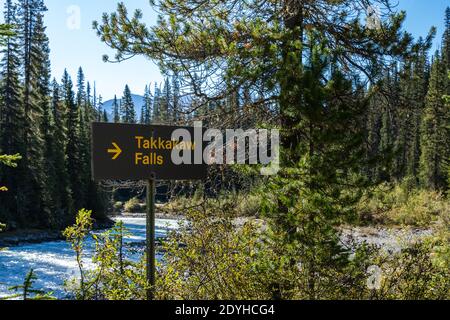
pixel 75 44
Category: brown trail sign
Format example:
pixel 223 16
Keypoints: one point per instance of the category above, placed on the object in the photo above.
pixel 135 152
pixel 144 152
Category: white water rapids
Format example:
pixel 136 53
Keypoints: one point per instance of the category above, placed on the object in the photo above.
pixel 53 262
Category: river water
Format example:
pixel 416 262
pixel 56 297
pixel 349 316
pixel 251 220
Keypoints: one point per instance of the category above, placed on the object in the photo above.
pixel 53 262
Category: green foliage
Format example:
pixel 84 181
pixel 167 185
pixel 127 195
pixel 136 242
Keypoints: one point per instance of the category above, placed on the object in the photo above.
pixel 216 255
pixel 411 274
pixel 10 161
pixel 6 30
pixel 210 257
pixel 247 204
pixel 28 293
pixel 440 241
pixel 421 209
pixel 133 206
pixel 398 205
pixel 435 139
pixel 118 206
pixel 76 235
pixel 115 277
pixel 44 122
pixel 128 114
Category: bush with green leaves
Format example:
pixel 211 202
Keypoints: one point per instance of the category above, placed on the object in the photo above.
pixel 27 291
pixel 8 160
pixel 215 254
pixel 133 206
pixel 400 205
pixel 114 277
pixel 247 204
pixel 211 256
pixel 118 206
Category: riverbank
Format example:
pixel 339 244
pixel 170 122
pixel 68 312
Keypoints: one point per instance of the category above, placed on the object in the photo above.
pixel 158 215
pixel 54 262
pixel 27 236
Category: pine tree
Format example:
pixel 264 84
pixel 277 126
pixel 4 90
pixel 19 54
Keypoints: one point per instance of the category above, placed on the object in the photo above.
pixel 414 93
pixel 35 51
pixel 74 159
pixel 128 111
pixel 156 118
pixel 105 116
pixel 434 137
pixel 63 200
pixel 116 110
pixel 42 51
pixel 166 103
pixel 446 42
pixel 142 116
pixel 147 105
pixel 99 110
pixel 81 88
pixel 176 98
pixel 12 118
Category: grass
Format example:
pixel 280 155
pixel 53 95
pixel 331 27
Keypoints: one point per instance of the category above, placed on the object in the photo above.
pixel 244 204
pixel 397 205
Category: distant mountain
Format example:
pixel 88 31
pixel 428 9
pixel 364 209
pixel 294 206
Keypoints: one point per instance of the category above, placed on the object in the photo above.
pixel 138 102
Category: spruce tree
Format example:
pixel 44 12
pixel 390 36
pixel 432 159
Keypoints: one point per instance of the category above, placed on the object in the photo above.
pixel 165 108
pixel 48 183
pixel 12 118
pixel 63 200
pixel 414 92
pixel 81 88
pixel 105 116
pixel 128 111
pixel 73 149
pixel 34 45
pixel 147 105
pixel 99 109
pixel 116 110
pixel 142 116
pixel 156 117
pixel 434 137
pixel 176 98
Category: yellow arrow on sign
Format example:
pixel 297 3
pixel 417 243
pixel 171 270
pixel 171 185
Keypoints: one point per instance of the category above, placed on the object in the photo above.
pixel 116 150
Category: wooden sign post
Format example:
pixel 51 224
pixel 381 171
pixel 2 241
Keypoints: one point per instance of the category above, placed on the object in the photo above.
pixel 144 152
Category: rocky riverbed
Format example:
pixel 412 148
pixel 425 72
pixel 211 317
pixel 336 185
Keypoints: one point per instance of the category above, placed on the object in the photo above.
pixel 390 239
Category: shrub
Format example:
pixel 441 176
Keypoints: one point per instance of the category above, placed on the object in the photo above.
pixel 27 290
pixel 245 204
pixel 402 205
pixel 118 206
pixel 219 261
pixel 421 209
pixel 114 277
pixel 133 206
pixel 210 257
pixel 215 260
